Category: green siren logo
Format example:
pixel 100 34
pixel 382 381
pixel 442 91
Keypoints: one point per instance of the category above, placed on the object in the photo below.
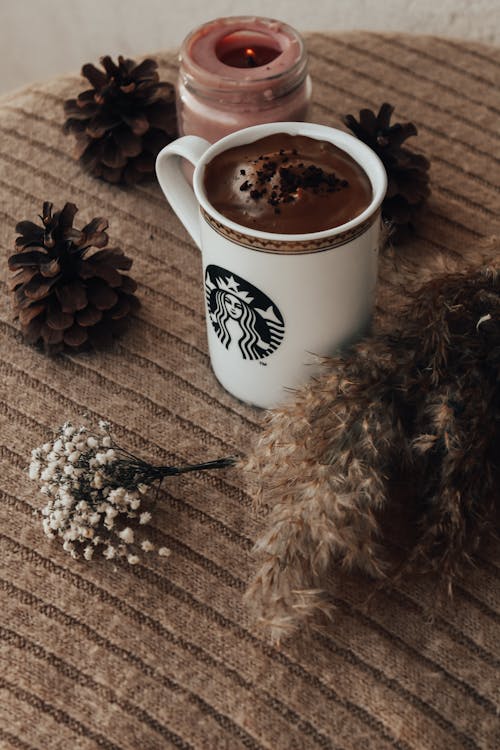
pixel 243 317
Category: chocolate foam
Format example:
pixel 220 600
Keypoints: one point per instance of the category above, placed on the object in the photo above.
pixel 287 184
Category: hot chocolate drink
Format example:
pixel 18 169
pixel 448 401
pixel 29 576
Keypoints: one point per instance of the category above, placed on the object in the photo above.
pixel 287 184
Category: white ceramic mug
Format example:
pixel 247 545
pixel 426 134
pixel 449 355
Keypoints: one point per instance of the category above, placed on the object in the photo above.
pixel 275 302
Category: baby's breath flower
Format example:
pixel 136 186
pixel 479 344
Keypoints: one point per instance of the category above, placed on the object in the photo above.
pixel 164 552
pixel 117 496
pixel 127 535
pixel 98 480
pixel 93 490
pixel 47 474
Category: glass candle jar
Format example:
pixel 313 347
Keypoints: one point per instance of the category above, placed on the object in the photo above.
pixel 241 71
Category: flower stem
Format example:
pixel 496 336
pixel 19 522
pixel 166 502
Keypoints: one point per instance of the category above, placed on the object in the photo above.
pixel 220 463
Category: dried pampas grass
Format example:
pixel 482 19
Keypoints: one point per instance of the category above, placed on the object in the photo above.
pixel 420 402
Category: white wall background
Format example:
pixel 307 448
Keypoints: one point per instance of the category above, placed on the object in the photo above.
pixel 43 38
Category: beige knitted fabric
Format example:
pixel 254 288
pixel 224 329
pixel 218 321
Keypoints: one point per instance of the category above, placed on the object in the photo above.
pixel 163 654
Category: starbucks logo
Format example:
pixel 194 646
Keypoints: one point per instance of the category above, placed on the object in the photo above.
pixel 243 318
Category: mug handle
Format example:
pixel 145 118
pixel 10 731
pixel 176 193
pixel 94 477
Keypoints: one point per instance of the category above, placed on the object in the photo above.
pixel 174 184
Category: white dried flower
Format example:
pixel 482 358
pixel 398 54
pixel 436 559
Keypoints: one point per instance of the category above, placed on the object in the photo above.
pixel 145 518
pixel 117 496
pixel 164 552
pixel 147 546
pixel 34 470
pixel 47 474
pixel 132 559
pixel 127 535
pixel 98 480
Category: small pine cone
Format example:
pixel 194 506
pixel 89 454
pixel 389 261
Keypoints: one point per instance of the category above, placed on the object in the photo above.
pixel 407 172
pixel 123 121
pixel 66 295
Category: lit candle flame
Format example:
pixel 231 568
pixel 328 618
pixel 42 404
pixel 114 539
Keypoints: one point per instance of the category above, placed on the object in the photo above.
pixel 250 55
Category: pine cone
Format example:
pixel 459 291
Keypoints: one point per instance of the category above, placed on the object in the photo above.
pixel 65 295
pixel 407 172
pixel 123 121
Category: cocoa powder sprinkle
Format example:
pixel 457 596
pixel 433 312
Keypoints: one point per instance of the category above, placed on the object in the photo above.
pixel 292 179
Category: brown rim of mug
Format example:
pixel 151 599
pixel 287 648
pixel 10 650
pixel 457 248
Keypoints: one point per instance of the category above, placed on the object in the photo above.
pixel 291 247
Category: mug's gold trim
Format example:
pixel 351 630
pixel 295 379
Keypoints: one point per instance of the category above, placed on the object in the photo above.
pixel 284 247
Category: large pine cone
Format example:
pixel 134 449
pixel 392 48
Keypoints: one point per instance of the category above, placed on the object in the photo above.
pixel 123 121
pixel 407 172
pixel 65 295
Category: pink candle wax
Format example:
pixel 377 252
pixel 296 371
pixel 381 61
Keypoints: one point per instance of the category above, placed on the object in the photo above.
pixel 241 71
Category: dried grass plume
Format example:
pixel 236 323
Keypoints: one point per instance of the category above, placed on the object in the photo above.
pixel 420 401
